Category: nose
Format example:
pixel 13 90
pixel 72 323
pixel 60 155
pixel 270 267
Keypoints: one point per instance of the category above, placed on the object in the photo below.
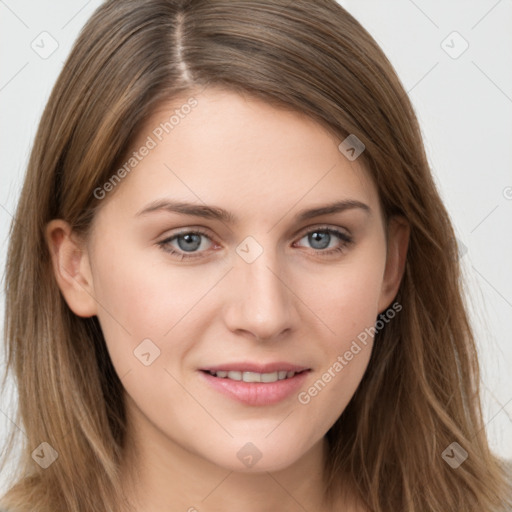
pixel 261 302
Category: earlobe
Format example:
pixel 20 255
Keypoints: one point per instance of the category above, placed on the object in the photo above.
pixel 398 242
pixel 71 268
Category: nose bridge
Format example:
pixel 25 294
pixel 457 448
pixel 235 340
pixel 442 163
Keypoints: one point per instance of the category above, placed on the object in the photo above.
pixel 261 302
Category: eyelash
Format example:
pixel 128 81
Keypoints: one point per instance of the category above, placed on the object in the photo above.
pixel 345 239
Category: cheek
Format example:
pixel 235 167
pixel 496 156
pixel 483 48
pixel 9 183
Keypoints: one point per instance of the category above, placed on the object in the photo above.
pixel 347 300
pixel 145 297
pixel 143 293
pixel 138 299
pixel 347 303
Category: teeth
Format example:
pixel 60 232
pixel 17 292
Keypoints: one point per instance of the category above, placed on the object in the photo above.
pixel 269 377
pixel 254 376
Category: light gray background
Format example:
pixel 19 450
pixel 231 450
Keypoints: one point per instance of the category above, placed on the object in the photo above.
pixel 464 103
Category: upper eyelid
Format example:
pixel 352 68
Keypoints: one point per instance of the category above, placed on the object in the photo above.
pixel 321 227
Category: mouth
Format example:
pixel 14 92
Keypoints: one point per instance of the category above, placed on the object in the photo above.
pixel 238 375
pixel 256 385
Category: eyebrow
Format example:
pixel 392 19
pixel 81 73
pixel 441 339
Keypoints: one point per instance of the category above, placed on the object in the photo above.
pixel 217 213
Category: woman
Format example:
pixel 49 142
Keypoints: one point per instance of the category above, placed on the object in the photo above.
pixel 219 281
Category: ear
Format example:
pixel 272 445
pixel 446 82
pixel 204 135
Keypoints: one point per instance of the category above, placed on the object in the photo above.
pixel 71 267
pixel 397 243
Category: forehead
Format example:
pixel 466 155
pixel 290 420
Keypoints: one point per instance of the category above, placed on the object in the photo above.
pixel 240 153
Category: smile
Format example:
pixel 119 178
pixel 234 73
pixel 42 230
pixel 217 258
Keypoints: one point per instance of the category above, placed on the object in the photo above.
pixel 256 388
pixel 254 376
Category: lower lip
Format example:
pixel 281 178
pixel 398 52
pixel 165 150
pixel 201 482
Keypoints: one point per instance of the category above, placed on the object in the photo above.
pixel 257 393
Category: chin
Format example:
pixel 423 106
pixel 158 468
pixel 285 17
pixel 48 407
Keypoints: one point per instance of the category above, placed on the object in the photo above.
pixel 258 456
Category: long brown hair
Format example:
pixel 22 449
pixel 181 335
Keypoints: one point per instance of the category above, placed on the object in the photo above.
pixel 420 392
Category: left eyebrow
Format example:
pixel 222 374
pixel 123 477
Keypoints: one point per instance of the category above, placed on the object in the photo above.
pixel 337 207
pixel 217 213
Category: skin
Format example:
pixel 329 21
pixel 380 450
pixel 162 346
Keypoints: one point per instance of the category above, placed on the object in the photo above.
pixel 293 303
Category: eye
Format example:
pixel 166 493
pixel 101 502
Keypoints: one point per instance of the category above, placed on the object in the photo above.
pixel 187 243
pixel 321 239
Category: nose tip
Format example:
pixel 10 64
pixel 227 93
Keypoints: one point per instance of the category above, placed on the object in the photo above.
pixel 260 301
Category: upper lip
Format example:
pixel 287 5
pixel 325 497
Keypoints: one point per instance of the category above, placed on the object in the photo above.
pixel 255 367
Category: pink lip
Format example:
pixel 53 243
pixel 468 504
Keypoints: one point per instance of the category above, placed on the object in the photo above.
pixel 258 368
pixel 256 393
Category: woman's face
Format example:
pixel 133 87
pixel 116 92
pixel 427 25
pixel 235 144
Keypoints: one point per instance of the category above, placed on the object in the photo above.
pixel 251 281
